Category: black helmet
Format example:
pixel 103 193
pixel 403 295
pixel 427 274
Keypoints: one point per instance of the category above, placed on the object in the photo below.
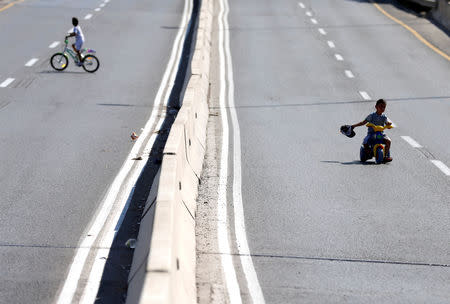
pixel 347 130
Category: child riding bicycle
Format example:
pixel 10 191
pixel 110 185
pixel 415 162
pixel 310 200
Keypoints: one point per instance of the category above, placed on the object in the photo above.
pixel 79 39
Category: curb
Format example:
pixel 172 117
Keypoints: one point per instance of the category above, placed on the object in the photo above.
pixel 441 13
pixel 164 261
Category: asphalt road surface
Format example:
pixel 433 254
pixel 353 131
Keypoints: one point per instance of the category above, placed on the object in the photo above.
pixel 320 226
pixel 64 136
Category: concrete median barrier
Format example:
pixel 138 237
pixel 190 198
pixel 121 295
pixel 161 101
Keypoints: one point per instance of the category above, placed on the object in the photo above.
pixel 163 269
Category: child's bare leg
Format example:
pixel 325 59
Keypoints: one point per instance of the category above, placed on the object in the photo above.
pixel 79 55
pixel 77 51
pixel 387 147
pixel 387 142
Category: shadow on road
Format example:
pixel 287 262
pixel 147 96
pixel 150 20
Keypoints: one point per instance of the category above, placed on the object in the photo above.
pixel 355 162
pixel 62 72
pixel 333 103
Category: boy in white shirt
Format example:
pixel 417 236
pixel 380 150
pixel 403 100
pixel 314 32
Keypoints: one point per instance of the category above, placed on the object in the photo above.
pixel 79 38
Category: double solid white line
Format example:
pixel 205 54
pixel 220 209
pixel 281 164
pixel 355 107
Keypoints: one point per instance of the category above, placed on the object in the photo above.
pixel 227 101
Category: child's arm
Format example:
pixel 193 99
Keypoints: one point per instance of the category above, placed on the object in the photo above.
pixel 362 123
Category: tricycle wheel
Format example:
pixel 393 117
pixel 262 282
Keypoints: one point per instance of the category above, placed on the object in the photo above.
pixel 379 157
pixel 362 154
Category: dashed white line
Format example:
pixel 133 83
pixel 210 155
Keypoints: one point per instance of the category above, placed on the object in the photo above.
pixel 331 44
pixel 412 142
pixel 349 74
pixel 6 83
pixel 322 31
pixel 102 5
pixel 31 62
pixel 338 57
pixel 364 95
pixel 97 9
pixel 106 1
pixel 308 13
pixel 314 21
pixel 301 5
pixel 441 166
pixel 54 44
pixel 88 16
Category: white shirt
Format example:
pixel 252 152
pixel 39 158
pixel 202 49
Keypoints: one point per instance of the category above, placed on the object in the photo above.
pixel 79 38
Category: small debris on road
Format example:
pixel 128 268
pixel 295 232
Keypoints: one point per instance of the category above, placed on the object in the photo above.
pixel 131 243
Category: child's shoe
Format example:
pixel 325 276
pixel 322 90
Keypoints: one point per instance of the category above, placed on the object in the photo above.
pixel 387 159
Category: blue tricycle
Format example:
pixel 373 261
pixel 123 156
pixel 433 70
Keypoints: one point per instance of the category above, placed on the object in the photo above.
pixel 376 145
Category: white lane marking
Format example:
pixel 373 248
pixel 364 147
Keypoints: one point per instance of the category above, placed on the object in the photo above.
pixel 234 293
pixel 88 16
pixel 93 282
pixel 102 5
pixel 349 74
pixel 31 62
pixel 365 95
pixel 313 20
pixel 412 142
pixel 441 166
pixel 54 44
pixel 338 57
pixel 301 5
pixel 106 1
pixel 239 218
pixel 6 83
pixel 322 31
pixel 97 9
pixel 308 13
pixel 71 283
pixel 331 44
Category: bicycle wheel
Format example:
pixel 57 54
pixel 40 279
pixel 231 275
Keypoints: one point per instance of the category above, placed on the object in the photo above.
pixel 59 61
pixel 90 63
